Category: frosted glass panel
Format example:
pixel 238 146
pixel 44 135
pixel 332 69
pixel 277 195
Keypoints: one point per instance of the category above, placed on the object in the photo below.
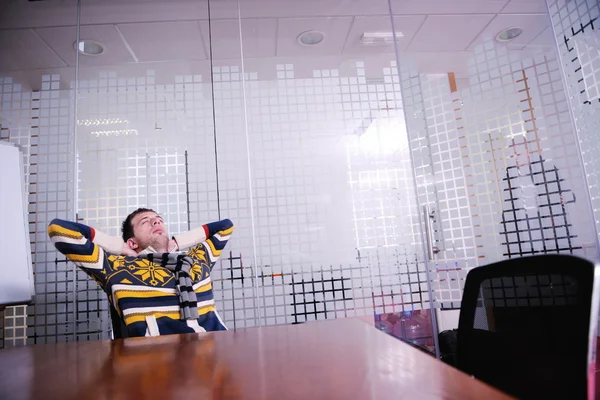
pixel 496 156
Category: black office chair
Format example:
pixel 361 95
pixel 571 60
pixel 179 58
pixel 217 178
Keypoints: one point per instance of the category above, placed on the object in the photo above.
pixel 118 326
pixel 525 326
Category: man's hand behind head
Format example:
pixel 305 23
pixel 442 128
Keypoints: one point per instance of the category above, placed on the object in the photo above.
pixel 127 251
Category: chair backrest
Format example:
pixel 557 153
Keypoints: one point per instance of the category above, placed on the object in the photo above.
pixel 526 326
pixel 118 326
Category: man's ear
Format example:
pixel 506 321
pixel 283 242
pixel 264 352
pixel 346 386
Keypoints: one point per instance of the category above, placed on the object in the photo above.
pixel 132 243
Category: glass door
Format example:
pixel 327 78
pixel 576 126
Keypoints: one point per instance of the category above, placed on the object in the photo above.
pixel 497 165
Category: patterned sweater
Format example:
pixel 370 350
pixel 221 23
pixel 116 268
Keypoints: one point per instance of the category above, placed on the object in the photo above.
pixel 144 293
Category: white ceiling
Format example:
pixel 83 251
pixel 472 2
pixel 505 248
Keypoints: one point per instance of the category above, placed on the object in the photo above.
pixel 449 32
pixel 40 35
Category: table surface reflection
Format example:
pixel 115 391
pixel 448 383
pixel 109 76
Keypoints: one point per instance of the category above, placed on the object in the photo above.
pixel 338 359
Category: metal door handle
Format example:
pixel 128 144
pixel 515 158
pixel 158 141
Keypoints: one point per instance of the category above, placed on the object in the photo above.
pixel 428 217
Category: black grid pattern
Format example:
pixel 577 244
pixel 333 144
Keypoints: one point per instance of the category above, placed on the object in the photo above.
pixel 52 318
pixel 545 229
pixel 309 296
pixel 575 62
pixel 232 270
pixel 52 315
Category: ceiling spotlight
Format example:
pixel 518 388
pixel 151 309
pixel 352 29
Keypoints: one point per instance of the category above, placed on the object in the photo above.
pixel 311 38
pixel 89 47
pixel 509 34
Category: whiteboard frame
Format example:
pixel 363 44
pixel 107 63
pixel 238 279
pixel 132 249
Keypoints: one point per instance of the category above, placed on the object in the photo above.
pixel 25 230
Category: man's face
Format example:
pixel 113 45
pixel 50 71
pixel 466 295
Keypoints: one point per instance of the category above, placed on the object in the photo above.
pixel 148 230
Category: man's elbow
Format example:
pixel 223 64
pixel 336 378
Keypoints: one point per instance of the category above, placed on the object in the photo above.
pixel 56 228
pixel 227 224
pixel 53 227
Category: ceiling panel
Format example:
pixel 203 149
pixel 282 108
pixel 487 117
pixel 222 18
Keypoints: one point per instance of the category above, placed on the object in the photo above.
pixel 442 62
pixel 21 13
pixel 400 7
pixel 448 32
pixel 335 29
pixel 30 14
pixel 128 11
pixel 165 41
pixel 532 26
pixel 295 8
pixel 525 6
pixel 23 49
pixel 62 40
pixel 544 41
pixel 259 37
pixel 408 25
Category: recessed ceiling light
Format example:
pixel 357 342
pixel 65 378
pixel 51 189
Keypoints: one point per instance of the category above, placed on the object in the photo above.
pixel 509 34
pixel 311 38
pixel 118 132
pixel 101 121
pixel 380 38
pixel 89 47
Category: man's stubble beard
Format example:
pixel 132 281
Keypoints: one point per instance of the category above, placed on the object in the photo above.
pixel 159 243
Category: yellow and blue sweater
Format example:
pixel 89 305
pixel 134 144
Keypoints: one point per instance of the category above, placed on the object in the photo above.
pixel 144 293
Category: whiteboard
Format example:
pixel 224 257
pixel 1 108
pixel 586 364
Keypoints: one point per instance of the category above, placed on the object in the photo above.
pixel 16 273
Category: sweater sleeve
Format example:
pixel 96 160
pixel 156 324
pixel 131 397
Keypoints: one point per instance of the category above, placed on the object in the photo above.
pixel 76 242
pixel 217 235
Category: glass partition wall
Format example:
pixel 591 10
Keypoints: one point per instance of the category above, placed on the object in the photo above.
pixel 337 228
pixel 367 157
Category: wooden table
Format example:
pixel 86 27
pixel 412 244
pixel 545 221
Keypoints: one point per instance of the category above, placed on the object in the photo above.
pixel 338 359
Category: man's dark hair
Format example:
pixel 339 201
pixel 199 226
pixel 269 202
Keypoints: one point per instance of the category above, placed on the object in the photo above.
pixel 127 227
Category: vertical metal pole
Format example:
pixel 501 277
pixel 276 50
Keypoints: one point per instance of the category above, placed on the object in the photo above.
pixel 187 190
pixel 434 324
pixel 75 166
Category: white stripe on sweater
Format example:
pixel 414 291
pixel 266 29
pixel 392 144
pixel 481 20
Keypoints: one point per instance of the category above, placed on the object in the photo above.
pixel 220 320
pixel 212 257
pixel 192 323
pixel 136 288
pixel 150 310
pixel 152 326
pixel 96 265
pixel 79 242
pixel 222 238
pixel 201 283
pixel 206 303
pixel 66 239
